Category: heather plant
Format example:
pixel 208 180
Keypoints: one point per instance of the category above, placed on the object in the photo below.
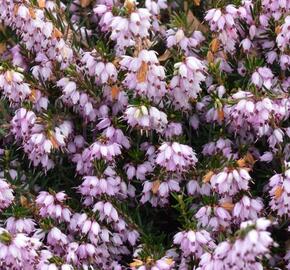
pixel 150 135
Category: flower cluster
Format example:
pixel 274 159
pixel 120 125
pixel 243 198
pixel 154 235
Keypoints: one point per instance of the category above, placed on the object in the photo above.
pixel 175 156
pixel 146 118
pixel 6 194
pixel 38 140
pixel 145 75
pixel 243 252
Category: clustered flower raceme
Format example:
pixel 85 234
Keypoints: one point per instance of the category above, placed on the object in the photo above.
pixel 105 148
pixel 214 217
pixel 124 29
pixel 52 206
pixel 193 242
pixel 153 124
pixel 81 102
pixel 223 23
pixel 146 118
pixel 175 156
pixel 18 251
pixel 157 193
pixel 38 35
pixel 188 44
pixel 100 70
pixel 13 87
pixel 37 141
pixel 243 252
pixel 279 192
pixel 253 115
pixel 145 75
pixel 222 146
pixel 185 85
pixel 6 194
pixel 230 182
